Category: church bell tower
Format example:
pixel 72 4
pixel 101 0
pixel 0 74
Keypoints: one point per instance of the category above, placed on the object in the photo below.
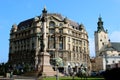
pixel 101 37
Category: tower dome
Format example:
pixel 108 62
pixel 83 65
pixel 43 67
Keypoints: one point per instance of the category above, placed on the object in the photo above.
pixel 14 28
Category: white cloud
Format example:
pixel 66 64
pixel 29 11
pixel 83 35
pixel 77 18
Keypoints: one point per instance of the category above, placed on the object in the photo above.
pixel 92 47
pixel 115 36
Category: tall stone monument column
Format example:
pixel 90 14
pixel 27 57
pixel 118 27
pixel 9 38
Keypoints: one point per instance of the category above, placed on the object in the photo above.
pixel 45 67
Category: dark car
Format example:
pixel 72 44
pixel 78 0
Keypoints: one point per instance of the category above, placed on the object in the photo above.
pixel 94 73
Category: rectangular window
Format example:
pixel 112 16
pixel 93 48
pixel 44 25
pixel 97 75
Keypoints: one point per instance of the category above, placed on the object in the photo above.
pixel 51 43
pixel 76 48
pixel 33 45
pixel 84 43
pixel 68 46
pixel 80 49
pixel 80 42
pixel 84 49
pixel 33 39
pixel 73 48
pixel 51 31
pixel 76 41
pixel 69 32
pixel 60 46
pixel 73 40
pixel 60 31
pixel 68 39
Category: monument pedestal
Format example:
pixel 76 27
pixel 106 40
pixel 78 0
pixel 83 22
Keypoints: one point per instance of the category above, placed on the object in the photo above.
pixel 44 67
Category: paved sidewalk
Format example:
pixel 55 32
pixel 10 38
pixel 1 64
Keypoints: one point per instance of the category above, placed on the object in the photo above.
pixel 18 78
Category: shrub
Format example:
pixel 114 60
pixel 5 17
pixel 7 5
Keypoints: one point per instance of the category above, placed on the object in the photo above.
pixel 112 74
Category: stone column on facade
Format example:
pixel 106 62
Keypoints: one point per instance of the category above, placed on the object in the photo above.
pixel 13 46
pixel 86 58
pixel 25 45
pixel 30 47
pixel 37 42
pixel 65 43
pixel 10 50
pixel 37 51
pixel 82 55
pixel 57 45
pixel 70 55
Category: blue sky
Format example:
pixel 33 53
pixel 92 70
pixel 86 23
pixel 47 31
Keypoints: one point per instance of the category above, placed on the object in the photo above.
pixel 81 11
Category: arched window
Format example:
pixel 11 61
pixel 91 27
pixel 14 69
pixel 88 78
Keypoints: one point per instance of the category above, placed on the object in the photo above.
pixel 51 27
pixel 51 24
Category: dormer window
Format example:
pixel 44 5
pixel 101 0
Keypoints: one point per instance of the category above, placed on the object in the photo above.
pixel 73 27
pixel 60 31
pixel 118 54
pixel 76 28
pixel 61 25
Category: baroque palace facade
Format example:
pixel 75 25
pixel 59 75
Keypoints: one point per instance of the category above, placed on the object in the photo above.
pixel 66 39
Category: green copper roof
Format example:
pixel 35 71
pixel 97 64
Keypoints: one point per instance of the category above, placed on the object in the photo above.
pixel 100 25
pixel 116 45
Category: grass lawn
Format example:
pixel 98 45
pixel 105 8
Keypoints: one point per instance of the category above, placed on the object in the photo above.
pixel 70 78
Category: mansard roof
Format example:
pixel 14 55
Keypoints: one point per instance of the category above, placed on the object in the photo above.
pixel 112 46
pixel 29 22
pixel 26 23
pixel 116 45
pixel 57 15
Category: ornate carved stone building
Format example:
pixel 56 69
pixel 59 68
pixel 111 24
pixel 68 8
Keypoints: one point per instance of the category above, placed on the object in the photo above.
pixel 66 39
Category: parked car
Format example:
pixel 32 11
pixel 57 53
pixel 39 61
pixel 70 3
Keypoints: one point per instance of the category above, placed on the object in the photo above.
pixel 101 72
pixel 94 73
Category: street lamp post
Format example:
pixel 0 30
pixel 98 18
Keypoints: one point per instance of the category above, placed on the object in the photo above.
pixel 57 76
